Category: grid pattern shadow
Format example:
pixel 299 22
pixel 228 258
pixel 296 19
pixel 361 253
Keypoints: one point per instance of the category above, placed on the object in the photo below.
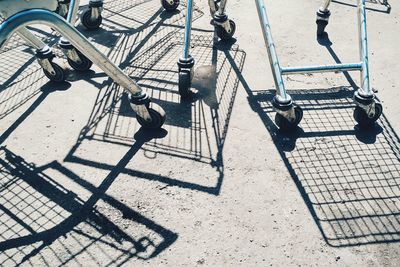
pixel 349 178
pixel 196 130
pixel 38 214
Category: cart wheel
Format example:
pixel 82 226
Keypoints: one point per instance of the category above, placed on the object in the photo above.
pixel 83 66
pixel 168 6
pixel 321 25
pixel 284 124
pixel 157 115
pixel 185 82
pixel 225 35
pixel 88 22
pixel 58 76
pixel 362 118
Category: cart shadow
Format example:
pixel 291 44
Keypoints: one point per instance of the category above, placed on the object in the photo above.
pixel 349 178
pixel 39 214
pixel 196 129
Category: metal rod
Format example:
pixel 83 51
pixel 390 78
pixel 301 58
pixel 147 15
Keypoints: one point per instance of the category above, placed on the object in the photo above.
pixel 273 57
pixel 325 6
pixel 213 7
pixel 30 38
pixel 322 68
pixel 73 11
pixel 362 30
pixel 222 7
pixel 40 16
pixel 188 29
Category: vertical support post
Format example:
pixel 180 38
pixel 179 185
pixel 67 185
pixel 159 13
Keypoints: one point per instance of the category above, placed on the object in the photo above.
pixel 363 41
pixel 72 12
pixel 188 29
pixel 30 38
pixel 273 57
pixel 213 7
pixel 222 7
pixel 325 6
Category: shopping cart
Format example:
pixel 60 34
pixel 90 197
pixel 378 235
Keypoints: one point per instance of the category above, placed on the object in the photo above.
pixel 44 53
pixel 289 115
pixel 20 14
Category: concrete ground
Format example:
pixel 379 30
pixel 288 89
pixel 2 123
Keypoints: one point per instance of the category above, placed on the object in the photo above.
pixel 82 185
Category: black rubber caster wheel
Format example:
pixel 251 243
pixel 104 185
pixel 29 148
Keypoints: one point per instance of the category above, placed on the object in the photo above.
pixel 88 22
pixel 83 66
pixel 58 76
pixel 185 83
pixel 284 124
pixel 223 34
pixel 321 25
pixel 157 115
pixel 362 118
pixel 168 6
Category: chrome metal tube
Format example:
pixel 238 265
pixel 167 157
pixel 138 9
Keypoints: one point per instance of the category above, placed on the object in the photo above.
pixel 188 29
pixel 222 7
pixel 322 68
pixel 30 38
pixel 363 40
pixel 273 57
pixel 40 16
pixel 325 6
pixel 73 11
pixel 212 6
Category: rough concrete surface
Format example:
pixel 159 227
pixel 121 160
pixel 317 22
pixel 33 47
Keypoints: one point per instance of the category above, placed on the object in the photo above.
pixel 82 185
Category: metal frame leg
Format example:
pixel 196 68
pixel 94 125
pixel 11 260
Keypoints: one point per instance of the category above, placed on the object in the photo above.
pixel 364 97
pixel 363 42
pixel 213 7
pixel 30 38
pixel 69 51
pixel 325 6
pixel 44 53
pixel 282 102
pixel 188 30
pixel 73 11
pixel 222 7
pixel 323 15
pixel 186 61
